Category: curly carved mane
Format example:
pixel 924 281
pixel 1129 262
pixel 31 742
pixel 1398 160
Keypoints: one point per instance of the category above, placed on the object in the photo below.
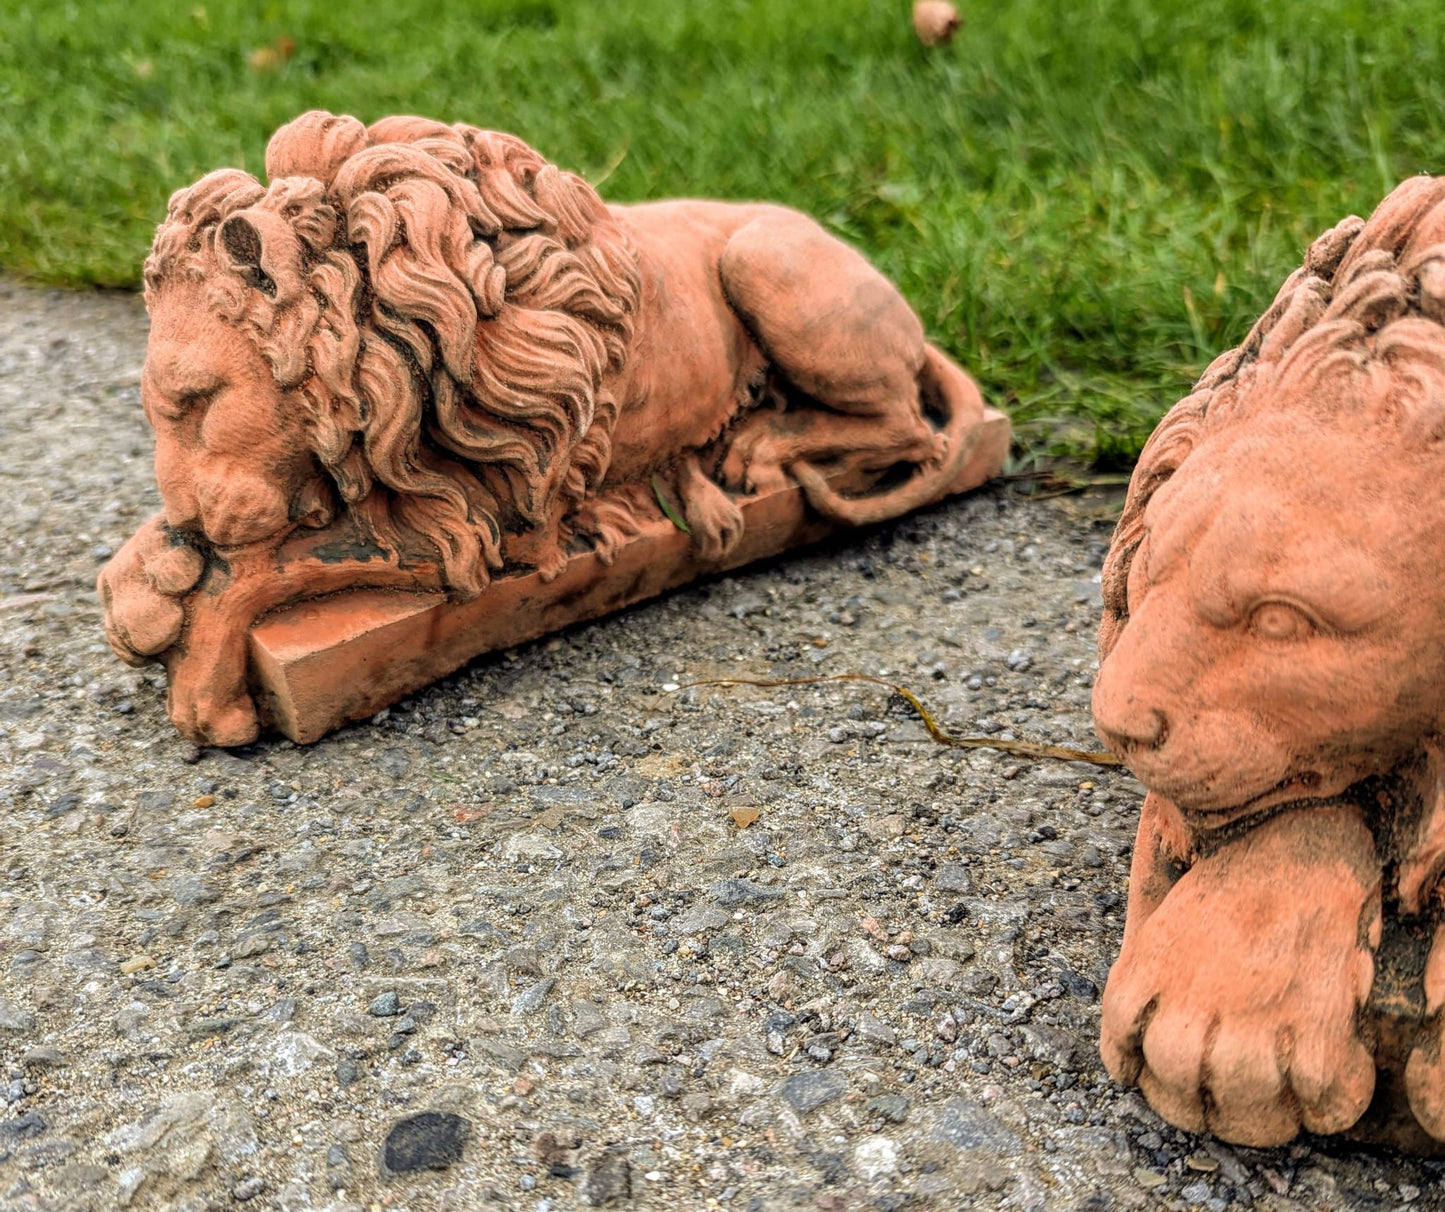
pixel 1358 328
pixel 444 301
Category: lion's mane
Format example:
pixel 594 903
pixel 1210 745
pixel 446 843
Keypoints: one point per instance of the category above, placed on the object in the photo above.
pixel 1359 326
pixel 446 303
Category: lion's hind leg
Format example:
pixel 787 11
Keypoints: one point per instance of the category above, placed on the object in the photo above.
pixel 838 333
pixel 835 330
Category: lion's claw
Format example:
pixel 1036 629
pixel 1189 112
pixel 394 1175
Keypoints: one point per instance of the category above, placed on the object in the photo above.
pixel 551 564
pixel 223 721
pixel 1233 1006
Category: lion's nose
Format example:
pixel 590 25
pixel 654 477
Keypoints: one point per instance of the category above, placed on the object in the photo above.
pixel 1125 722
pixel 1147 730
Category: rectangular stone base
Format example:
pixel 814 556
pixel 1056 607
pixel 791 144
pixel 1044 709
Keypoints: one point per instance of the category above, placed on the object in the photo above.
pixel 321 664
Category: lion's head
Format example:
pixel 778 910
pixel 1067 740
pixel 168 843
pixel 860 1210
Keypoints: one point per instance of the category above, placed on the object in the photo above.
pixel 1274 624
pixel 411 322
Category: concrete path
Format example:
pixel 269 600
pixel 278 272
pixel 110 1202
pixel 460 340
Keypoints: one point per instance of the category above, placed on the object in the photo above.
pixel 511 929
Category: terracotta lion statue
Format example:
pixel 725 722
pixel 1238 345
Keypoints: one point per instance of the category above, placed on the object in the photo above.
pixel 1273 669
pixel 454 361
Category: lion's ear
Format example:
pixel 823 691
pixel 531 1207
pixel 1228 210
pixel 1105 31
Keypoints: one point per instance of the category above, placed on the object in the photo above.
pixel 240 241
pixel 263 250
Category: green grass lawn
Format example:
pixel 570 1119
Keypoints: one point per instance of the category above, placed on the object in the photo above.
pixel 1085 199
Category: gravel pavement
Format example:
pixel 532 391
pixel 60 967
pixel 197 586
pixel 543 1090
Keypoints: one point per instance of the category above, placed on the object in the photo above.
pixel 508 945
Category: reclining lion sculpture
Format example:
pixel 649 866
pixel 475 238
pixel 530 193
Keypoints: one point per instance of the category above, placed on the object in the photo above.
pixel 1273 670
pixel 454 361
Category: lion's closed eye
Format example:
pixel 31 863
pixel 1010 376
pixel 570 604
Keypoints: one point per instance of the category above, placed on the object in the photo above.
pixel 198 400
pixel 1281 621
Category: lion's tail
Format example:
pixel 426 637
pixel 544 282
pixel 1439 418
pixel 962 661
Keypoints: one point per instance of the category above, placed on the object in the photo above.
pixel 959 397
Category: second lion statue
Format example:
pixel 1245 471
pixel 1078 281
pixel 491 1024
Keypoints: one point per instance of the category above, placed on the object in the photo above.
pixel 1272 668
pixel 430 343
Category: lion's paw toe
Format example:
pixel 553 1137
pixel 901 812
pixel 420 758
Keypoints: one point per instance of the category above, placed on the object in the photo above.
pixel 146 624
pixel 1252 1077
pixel 175 570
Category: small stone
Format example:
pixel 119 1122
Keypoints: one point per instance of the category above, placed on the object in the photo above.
pixel 952 877
pixel 295 1052
pixel 530 1000
pixel 432 1140
pixel 874 1030
pixel 743 815
pixel 609 1180
pixel 248 1188
pixel 586 1019
pixel 385 1005
pixel 499 1052
pixel 1078 985
pixel 22 1127
pixel 1148 1179
pixel 808 1091
pixel 875 1156
pixel 339 1171
pixel 696 1105
pixel 200 1028
pixel 733 892
pixel 887 828
pixel 968 1125
pixel 283 1011
pixel 44 1057
pixel 13 1018
pixel 892 1107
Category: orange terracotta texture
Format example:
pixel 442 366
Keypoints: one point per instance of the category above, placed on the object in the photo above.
pixel 424 385
pixel 1273 670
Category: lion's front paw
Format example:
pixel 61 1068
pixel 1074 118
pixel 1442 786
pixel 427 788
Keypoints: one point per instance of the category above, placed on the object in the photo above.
pixel 1233 1007
pixel 714 519
pixel 140 589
